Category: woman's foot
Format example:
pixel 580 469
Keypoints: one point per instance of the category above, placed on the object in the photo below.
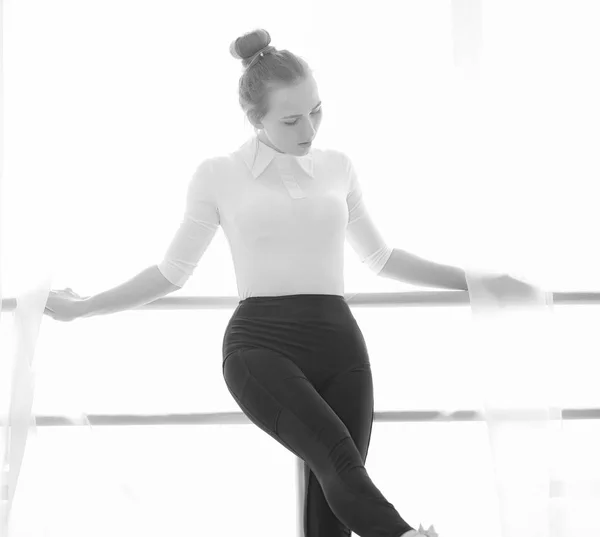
pixel 421 532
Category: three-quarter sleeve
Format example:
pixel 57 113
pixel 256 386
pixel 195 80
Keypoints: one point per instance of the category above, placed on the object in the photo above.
pixel 196 231
pixel 361 233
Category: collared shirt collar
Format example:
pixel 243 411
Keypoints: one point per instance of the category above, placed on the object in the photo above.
pixel 266 154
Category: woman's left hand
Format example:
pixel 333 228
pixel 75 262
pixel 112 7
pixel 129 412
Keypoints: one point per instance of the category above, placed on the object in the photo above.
pixel 510 291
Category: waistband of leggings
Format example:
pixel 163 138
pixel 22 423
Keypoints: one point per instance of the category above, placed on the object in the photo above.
pixel 292 299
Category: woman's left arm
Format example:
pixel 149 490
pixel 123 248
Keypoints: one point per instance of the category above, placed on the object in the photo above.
pixel 406 267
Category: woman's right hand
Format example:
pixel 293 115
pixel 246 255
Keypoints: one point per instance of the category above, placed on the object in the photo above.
pixel 65 305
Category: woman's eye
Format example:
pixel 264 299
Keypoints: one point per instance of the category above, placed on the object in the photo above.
pixel 315 112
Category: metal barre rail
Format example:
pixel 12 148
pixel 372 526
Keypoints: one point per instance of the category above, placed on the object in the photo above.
pixel 410 298
pixel 238 418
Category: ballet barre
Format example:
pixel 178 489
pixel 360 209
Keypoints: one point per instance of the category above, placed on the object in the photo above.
pixel 410 298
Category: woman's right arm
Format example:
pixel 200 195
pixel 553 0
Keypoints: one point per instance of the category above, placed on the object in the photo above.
pixel 196 231
pixel 147 286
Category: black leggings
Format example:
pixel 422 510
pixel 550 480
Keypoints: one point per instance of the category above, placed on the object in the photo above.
pixel 298 367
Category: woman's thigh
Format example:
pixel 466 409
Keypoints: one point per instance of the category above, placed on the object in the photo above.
pixel 277 397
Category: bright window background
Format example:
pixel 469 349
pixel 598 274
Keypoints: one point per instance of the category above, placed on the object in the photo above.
pixel 116 103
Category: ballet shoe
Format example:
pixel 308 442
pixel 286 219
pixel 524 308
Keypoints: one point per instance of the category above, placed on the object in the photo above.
pixel 429 533
pixel 421 532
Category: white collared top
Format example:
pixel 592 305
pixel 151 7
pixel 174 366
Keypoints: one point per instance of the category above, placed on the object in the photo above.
pixel 285 219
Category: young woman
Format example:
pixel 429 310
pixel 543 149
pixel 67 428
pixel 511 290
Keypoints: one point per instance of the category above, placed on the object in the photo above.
pixel 294 357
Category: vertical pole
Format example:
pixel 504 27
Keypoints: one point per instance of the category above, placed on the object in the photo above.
pixel 300 495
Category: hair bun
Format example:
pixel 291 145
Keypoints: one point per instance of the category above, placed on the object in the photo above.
pixel 245 47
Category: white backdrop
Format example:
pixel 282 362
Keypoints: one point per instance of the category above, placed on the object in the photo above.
pixel 474 130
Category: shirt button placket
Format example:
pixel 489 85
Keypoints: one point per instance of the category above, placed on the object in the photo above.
pixel 289 181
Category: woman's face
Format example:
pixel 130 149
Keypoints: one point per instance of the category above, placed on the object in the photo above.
pixel 283 133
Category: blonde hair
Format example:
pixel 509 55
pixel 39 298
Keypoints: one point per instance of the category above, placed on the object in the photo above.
pixel 273 70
